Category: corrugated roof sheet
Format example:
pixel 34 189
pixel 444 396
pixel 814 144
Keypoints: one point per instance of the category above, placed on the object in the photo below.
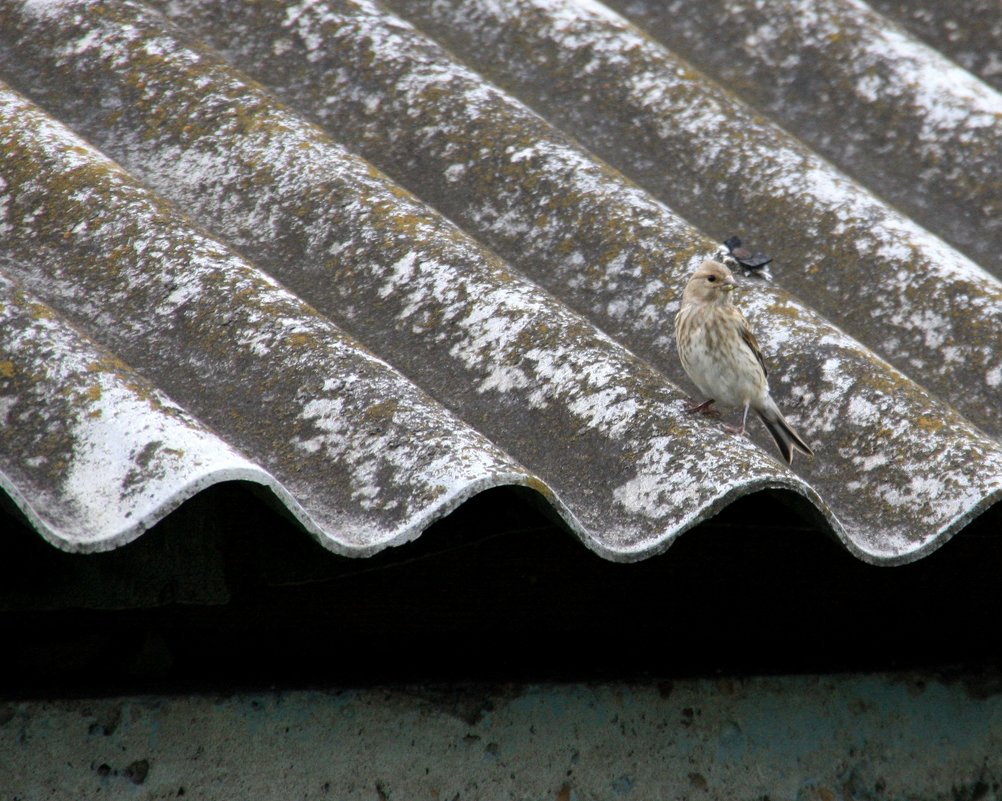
pixel 380 257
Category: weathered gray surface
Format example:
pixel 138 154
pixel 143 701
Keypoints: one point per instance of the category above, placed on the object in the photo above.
pixel 968 31
pixel 359 454
pixel 893 112
pixel 805 738
pixel 598 431
pixel 936 315
pixel 505 354
pixel 106 450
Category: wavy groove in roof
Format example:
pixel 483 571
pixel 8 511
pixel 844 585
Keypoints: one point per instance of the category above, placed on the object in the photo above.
pixel 527 340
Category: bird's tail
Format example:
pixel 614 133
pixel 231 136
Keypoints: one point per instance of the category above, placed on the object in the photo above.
pixel 786 438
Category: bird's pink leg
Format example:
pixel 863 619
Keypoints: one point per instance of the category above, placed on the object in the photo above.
pixel 740 431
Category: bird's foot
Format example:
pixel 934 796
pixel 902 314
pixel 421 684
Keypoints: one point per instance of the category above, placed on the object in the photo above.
pixel 706 407
pixel 739 430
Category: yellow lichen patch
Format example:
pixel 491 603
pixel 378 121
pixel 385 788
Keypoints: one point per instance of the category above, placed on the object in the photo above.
pixel 539 486
pixel 428 320
pixel 7 369
pixel 929 424
pixel 382 411
pixel 408 225
pixel 888 381
pixel 147 393
pixel 301 339
pixel 782 309
pixel 662 297
pixel 107 364
pixel 39 311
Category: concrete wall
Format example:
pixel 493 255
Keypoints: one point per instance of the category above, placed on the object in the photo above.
pixel 798 738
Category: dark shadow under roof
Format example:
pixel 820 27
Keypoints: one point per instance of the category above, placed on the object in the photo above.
pixel 227 594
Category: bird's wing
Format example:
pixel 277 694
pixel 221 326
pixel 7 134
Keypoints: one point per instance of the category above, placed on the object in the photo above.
pixel 749 339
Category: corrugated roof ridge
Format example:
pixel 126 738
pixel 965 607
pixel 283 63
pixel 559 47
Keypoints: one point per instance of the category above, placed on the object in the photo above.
pixel 968 31
pixel 889 109
pixel 503 167
pixel 81 430
pixel 697 148
pixel 361 456
pixel 446 310
pixel 897 549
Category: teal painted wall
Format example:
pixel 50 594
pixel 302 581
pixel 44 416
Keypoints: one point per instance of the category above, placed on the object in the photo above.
pixel 798 738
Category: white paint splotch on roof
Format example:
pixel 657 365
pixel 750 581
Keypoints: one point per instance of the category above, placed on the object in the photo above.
pixel 377 362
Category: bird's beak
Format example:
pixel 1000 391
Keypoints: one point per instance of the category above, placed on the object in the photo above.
pixel 729 285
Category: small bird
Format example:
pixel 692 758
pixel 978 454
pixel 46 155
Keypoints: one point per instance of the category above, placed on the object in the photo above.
pixel 749 261
pixel 720 355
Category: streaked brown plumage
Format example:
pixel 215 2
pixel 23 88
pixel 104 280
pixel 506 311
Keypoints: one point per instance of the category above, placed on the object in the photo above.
pixel 720 354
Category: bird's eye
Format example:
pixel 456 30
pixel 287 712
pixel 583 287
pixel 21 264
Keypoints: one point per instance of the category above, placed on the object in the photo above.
pixel 711 278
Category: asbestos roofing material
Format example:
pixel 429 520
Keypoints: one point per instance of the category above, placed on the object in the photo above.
pixel 317 147
pixel 358 453
pixel 882 105
pixel 967 31
pixel 95 432
pixel 921 305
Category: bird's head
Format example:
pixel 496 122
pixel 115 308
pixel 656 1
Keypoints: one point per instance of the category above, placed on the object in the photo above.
pixel 711 283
